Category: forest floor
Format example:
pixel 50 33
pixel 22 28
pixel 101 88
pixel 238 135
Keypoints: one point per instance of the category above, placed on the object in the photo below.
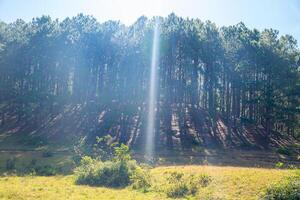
pixel 61 157
pixel 227 183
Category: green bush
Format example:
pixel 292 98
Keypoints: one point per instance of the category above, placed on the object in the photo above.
pixel 122 153
pixel 141 179
pixel 103 148
pixel 286 190
pixel 120 171
pixel 204 180
pixel 177 190
pixel 279 165
pixel 110 174
pixel 180 185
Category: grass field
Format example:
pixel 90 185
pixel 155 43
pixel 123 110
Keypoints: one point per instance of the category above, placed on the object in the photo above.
pixel 228 183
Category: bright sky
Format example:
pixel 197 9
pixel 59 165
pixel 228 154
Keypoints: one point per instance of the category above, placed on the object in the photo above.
pixel 283 15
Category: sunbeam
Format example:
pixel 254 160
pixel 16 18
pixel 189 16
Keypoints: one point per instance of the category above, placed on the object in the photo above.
pixel 150 132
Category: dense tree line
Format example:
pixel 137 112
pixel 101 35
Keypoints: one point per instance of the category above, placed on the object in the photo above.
pixel 234 73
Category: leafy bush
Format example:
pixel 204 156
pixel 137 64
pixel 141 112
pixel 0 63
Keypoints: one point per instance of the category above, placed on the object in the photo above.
pixel 122 153
pixel 103 148
pixel 115 173
pixel 204 180
pixel 98 173
pixel 141 179
pixel 287 190
pixel 176 187
pixel 179 185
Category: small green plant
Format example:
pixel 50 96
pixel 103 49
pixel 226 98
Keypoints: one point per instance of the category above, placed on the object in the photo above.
pixel 122 153
pixel 103 148
pixel 286 190
pixel 86 161
pixel 204 180
pixel 141 179
pixel 279 165
pixel 180 185
pixel 176 186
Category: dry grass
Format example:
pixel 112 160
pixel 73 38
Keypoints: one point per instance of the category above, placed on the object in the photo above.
pixel 231 182
pixel 61 187
pixel 228 183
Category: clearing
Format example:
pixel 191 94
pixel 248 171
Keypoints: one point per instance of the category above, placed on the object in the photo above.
pixel 228 183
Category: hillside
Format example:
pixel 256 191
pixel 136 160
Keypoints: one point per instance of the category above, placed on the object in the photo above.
pixel 73 121
pixel 241 145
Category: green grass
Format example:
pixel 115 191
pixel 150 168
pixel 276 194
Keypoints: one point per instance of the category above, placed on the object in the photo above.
pixel 228 183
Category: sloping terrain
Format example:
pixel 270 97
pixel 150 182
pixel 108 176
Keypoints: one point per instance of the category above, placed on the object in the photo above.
pixel 200 140
pixel 193 127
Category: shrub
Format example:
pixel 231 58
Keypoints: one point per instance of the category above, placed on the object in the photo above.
pixel 179 185
pixel 279 165
pixel 141 179
pixel 204 180
pixel 110 174
pixel 122 153
pixel 176 187
pixel 287 190
pixel 115 173
pixel 103 148
pixel 121 171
